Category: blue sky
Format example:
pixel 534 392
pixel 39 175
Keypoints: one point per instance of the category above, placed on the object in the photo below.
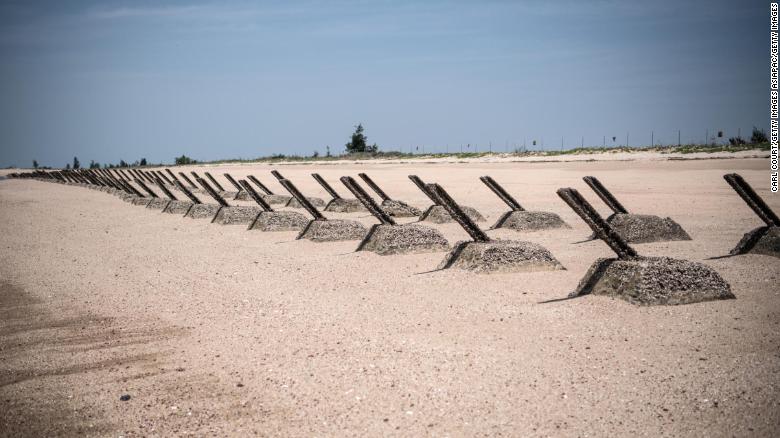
pixel 107 80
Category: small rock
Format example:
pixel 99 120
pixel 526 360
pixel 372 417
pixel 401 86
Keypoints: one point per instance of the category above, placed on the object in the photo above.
pixel 124 397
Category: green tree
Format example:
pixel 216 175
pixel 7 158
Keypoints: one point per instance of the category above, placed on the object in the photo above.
pixel 185 160
pixel 143 161
pixel 327 151
pixel 358 142
pixel 76 163
pixel 35 164
pixel 759 136
pixel 94 165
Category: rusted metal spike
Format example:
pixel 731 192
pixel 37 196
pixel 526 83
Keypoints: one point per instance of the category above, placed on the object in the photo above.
pixel 260 185
pixel 171 174
pixel 163 177
pixel 220 200
pixel 124 175
pixel 214 181
pixel 195 175
pixel 133 190
pixel 188 180
pixel 276 174
pixel 374 187
pixel 147 174
pixel 257 198
pixel 501 193
pixel 751 198
pixel 599 226
pixel 164 189
pixel 136 174
pixel 367 200
pixel 123 186
pixel 146 188
pixel 287 184
pixel 604 194
pixel 325 186
pixel 187 192
pixel 233 181
pixel 421 185
pixel 455 211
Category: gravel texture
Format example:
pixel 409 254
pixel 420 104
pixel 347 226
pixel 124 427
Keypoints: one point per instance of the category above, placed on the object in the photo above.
pixel 345 205
pixel 643 228
pixel 280 221
pixel 400 209
pixel 654 281
pixel 317 202
pixel 500 256
pixel 243 196
pixel 530 221
pixel 236 215
pixel 762 240
pixel 333 230
pixel 158 203
pixel 203 211
pixel 140 201
pixel 439 215
pixel 277 199
pixel 178 207
pixel 403 239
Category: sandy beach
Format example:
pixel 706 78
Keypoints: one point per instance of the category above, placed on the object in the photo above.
pixel 217 330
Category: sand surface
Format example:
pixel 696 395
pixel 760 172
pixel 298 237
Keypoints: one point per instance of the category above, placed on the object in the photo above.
pixel 216 330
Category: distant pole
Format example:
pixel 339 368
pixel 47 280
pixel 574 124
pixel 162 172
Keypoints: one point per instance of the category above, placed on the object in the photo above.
pixel 706 136
pixel 626 139
pixel 652 139
pixel 678 138
pixel 582 142
pixel 604 142
pixel 561 143
pixel 739 132
pixel 490 146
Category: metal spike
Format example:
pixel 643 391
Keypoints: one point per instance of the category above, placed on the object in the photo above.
pixel 599 226
pixel 605 194
pixel 457 213
pixel 501 193
pixel 367 200
pixel 287 184
pixel 751 198
pixel 326 186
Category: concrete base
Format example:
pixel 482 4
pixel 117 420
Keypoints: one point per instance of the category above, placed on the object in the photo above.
pixel 178 207
pixel 333 230
pixel 236 215
pixel 279 221
pixel 643 228
pixel 242 196
pixel 277 199
pixel 158 203
pixel 654 281
pixel 500 256
pixel 530 221
pixel 344 205
pixel 439 215
pixel 203 211
pixel 400 209
pixel 317 202
pixel 763 240
pixel 403 239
